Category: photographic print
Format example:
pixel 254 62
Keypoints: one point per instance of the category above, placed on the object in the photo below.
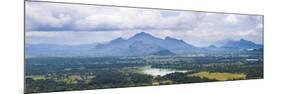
pixel 83 47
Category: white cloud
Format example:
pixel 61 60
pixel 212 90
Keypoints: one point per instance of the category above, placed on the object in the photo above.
pixel 54 23
pixel 41 15
pixel 259 26
pixel 84 17
pixel 231 19
pixel 247 33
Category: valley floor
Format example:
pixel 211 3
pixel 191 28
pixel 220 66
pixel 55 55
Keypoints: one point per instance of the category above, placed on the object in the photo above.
pixel 49 74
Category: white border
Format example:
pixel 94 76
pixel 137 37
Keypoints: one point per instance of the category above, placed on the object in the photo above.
pixel 11 51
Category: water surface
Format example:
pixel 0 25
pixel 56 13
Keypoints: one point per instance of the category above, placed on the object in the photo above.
pixel 160 71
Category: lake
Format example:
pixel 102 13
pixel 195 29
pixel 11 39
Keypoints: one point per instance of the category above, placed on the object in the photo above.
pixel 160 71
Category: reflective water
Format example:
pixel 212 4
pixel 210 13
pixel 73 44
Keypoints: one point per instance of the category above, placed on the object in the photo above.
pixel 159 71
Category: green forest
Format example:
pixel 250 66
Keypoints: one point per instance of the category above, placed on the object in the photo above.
pixel 50 74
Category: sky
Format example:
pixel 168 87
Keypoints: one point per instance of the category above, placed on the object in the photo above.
pixel 73 24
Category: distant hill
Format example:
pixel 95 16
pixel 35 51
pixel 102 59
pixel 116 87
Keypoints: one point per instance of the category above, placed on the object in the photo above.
pixel 141 44
pixel 138 45
pixel 238 44
pixel 212 46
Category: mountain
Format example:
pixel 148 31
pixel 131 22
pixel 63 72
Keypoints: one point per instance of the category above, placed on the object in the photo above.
pixel 241 44
pixel 172 44
pixel 141 44
pixel 167 43
pixel 212 46
pixel 138 45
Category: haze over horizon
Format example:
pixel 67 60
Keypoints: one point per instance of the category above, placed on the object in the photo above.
pixel 65 24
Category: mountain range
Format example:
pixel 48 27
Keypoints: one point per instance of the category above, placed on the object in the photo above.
pixel 242 44
pixel 138 45
pixel 142 44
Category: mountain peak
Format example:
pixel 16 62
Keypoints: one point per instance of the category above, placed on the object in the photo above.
pixel 242 43
pixel 142 34
pixel 243 40
pixel 173 39
pixel 212 46
pixel 117 40
pixel 169 38
pixel 246 41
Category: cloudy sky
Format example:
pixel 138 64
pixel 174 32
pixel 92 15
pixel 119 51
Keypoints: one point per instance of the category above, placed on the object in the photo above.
pixel 68 24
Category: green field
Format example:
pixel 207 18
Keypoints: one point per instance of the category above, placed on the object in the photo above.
pixel 220 76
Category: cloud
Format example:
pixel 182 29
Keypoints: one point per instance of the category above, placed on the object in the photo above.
pixel 70 38
pixel 231 19
pixel 53 16
pixel 56 23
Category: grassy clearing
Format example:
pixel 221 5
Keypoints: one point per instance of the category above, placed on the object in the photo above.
pixel 220 76
pixel 38 77
pixel 73 79
pixel 139 70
